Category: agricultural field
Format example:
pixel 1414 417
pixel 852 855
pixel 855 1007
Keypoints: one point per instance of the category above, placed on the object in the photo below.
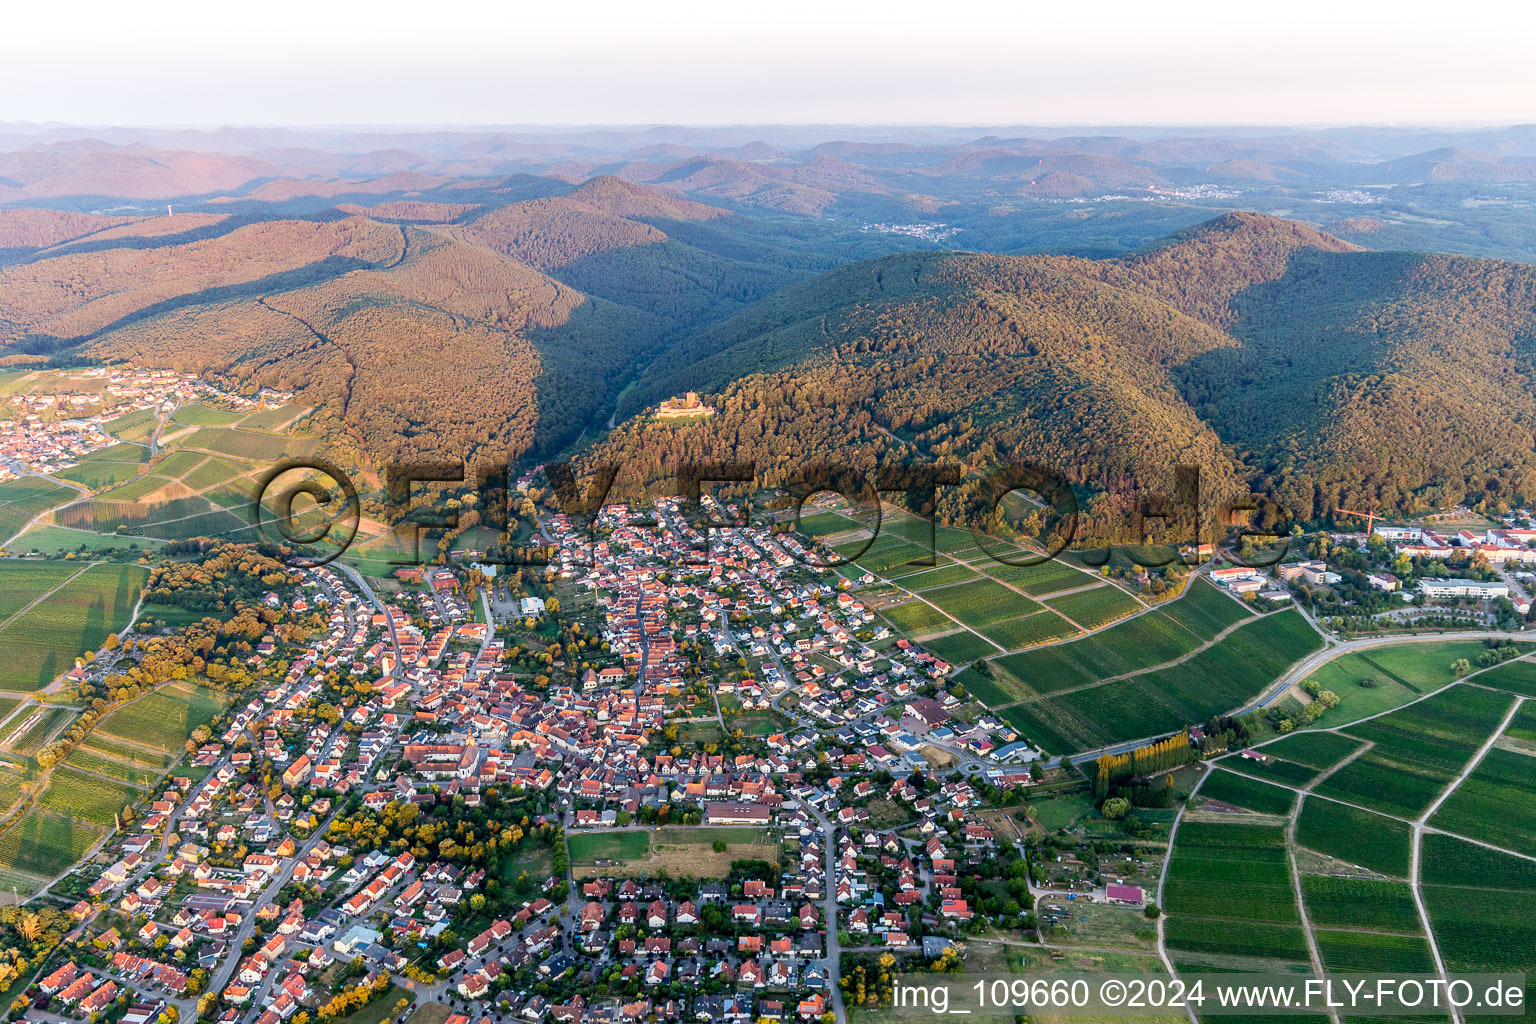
pixel 247 444
pixel 140 488
pixel 1204 610
pixel 884 553
pixel 960 648
pixel 980 602
pixel 1272 769
pixel 22 500
pixel 1496 803
pixel 101 473
pixel 1371 841
pixel 163 720
pixel 211 472
pixel 96 743
pixel 272 419
pixel 1218 679
pixel 40 843
pixel 1360 903
pixel 1048 577
pixel 138 425
pixel 941 576
pixel 1234 944
pixel 178 464
pixel 86 797
pixel 1320 750
pixel 195 415
pixel 1418 750
pixel 915 617
pixel 91 761
pixel 1235 871
pixel 31 730
pixel 1482 906
pixel 21 583
pixel 1374 952
pixel 1514 676
pixel 1242 791
pixel 1028 631
pixel 1093 608
pixel 43 642
pixel 57 540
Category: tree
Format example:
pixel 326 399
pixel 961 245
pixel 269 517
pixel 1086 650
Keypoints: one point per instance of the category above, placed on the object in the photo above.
pixel 1115 807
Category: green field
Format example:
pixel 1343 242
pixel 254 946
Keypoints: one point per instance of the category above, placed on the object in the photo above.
pixel 195 415
pixel 99 474
pixel 960 648
pixel 44 642
pixel 22 500
pixel 1037 580
pixel 1482 906
pixel 1028 631
pixel 915 617
pixel 1234 871
pixel 271 419
pixel 56 540
pixel 164 719
pixel 1496 803
pixel 1418 750
pixel 1373 952
pixel 22 582
pixel 248 444
pixel 138 488
pixel 1353 836
pixel 1242 791
pixel 178 464
pixel 86 797
pixel 213 471
pixel 1092 608
pixel 589 847
pixel 1320 750
pixel 981 601
pixel 1218 679
pixel 43 843
pixel 1515 676
pixel 29 731
pixel 1360 903
pixel 91 761
pixel 942 576
pixel 124 451
pixel 138 425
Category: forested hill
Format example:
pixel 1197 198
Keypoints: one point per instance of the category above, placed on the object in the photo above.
pixel 1266 352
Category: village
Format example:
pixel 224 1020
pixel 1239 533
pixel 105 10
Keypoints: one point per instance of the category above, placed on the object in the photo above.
pixel 827 779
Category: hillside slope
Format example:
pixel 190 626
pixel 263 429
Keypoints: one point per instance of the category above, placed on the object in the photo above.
pixel 1265 352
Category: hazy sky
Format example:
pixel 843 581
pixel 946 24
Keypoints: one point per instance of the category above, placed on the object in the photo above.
pixel 800 61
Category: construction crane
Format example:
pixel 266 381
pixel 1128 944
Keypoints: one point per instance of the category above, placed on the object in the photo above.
pixel 1369 517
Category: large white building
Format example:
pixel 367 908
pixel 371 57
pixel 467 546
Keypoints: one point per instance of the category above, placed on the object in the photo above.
pixel 1463 588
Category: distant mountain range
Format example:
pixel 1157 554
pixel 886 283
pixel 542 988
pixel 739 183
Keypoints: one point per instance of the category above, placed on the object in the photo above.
pixel 863 297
